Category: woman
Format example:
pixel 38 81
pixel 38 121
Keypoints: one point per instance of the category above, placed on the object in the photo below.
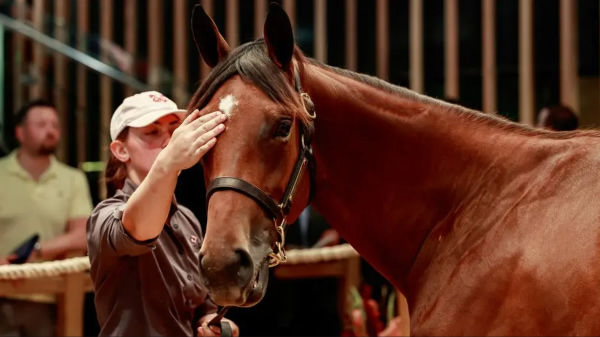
pixel 143 246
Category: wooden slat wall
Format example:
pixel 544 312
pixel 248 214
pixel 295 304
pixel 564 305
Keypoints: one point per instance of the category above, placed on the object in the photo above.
pixel 290 8
pixel 209 9
pixel 232 25
pixel 526 65
pixel 488 43
pixel 351 52
pixel 38 88
pixel 416 45
pixel 130 31
pixel 18 42
pixel 59 90
pixel 260 13
pixel 81 120
pixel 155 40
pixel 569 52
pixel 106 32
pixel 382 34
pixel 451 79
pixel 320 30
pixel 181 41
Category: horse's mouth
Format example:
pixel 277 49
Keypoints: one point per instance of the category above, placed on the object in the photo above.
pixel 257 288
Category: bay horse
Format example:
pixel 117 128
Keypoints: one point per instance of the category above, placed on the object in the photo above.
pixel 487 226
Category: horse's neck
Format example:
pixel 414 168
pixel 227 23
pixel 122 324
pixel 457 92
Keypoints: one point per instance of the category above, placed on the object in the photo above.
pixel 391 168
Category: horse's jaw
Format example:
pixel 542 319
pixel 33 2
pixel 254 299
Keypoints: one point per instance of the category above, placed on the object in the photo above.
pixel 234 258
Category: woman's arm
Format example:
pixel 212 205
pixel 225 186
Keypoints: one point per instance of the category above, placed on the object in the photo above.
pixel 148 207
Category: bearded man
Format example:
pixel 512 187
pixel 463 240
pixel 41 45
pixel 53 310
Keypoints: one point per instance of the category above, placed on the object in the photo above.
pixel 38 196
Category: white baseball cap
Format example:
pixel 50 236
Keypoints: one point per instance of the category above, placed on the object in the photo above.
pixel 142 109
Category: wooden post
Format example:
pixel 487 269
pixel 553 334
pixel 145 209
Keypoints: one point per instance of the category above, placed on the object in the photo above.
pixel 260 11
pixel 351 36
pixel 290 8
pixel 320 15
pixel 451 50
pixel 526 65
pixel 416 45
pixel 488 44
pixel 155 43
pixel 383 37
pixel 83 28
pixel 569 79
pixel 18 42
pixel 38 88
pixel 59 91
pixel 130 30
pixel 232 19
pixel 208 8
pixel 106 33
pixel 70 305
pixel 180 53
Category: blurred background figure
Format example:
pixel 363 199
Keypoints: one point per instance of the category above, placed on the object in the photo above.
pixel 44 197
pixel 557 118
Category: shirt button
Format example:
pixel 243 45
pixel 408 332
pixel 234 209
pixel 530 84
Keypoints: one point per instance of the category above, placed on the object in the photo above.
pixel 189 277
pixel 175 226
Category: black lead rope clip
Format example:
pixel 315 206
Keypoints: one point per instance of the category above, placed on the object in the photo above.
pixel 225 327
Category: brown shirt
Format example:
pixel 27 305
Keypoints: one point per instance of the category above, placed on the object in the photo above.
pixel 146 288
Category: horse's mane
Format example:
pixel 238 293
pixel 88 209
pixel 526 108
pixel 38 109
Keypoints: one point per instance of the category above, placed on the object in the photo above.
pixel 252 63
pixel 469 114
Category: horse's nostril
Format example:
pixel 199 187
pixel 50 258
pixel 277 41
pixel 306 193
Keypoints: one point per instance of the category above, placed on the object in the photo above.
pixel 237 267
pixel 245 271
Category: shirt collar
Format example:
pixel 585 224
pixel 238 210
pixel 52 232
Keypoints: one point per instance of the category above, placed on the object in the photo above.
pixel 15 167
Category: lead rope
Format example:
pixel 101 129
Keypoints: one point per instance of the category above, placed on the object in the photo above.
pixel 226 330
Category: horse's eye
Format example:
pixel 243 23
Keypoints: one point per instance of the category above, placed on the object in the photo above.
pixel 283 129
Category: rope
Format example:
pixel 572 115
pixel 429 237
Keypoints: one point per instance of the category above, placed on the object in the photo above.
pixel 313 255
pixel 47 268
pixel 82 264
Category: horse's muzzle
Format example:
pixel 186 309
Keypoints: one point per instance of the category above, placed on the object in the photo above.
pixel 228 276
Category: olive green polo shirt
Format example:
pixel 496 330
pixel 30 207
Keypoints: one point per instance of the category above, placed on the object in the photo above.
pixel 150 288
pixel 44 207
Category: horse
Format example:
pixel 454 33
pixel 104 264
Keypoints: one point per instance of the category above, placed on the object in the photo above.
pixel 487 226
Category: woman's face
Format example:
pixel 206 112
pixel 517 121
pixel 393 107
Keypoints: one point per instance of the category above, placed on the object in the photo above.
pixel 145 143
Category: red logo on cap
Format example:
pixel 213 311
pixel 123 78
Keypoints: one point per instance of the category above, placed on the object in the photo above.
pixel 158 98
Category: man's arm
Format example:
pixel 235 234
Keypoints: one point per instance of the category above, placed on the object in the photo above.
pixel 72 240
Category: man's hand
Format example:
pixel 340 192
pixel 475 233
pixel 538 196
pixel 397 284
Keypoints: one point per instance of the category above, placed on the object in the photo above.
pixel 205 330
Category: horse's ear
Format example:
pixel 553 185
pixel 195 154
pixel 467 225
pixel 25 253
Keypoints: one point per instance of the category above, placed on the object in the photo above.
pixel 279 37
pixel 210 43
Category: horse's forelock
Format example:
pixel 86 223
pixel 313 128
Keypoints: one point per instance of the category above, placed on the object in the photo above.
pixel 252 63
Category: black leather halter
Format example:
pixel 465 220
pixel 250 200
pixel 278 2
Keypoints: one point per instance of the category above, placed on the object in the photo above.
pixel 277 210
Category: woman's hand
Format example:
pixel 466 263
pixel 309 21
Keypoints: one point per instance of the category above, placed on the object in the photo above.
pixel 191 140
pixel 205 330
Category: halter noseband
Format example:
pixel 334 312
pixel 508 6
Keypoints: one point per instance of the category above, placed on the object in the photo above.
pixel 277 210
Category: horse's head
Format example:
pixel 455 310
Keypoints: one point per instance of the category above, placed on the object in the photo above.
pixel 256 174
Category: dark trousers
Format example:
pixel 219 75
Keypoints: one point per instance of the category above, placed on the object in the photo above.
pixel 26 318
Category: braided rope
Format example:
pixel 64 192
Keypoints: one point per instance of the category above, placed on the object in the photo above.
pixel 47 268
pixel 81 264
pixel 313 255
